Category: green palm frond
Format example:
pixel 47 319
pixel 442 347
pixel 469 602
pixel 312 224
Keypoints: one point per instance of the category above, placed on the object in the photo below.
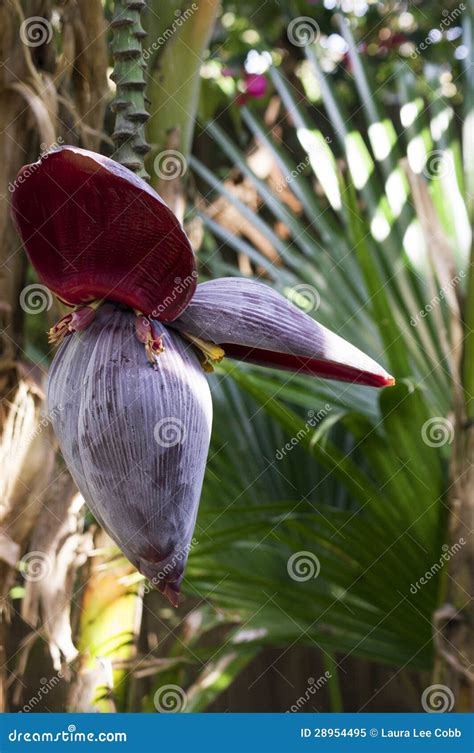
pixel 363 488
pixel 372 544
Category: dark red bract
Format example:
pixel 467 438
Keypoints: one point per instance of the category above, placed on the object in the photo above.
pixel 94 230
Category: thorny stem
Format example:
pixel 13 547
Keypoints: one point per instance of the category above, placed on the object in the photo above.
pixel 130 102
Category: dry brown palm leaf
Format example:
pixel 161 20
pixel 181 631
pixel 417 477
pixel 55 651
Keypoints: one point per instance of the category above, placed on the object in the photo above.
pixel 224 213
pixel 263 164
pixel 93 61
pixel 87 135
pixel 26 461
pixel 148 666
pixel 108 631
pixel 45 123
pixel 57 548
pixel 81 72
pixel 444 266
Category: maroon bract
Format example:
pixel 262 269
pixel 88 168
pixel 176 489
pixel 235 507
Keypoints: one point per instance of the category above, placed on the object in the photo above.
pixel 94 230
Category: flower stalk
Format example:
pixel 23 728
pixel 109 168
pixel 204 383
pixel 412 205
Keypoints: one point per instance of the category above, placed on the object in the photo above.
pixel 130 102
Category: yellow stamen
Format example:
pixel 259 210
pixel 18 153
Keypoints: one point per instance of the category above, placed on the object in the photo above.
pixel 57 333
pixel 153 350
pixel 62 328
pixel 210 352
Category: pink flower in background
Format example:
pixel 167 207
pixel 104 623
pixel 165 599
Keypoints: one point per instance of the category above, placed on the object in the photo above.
pixel 255 85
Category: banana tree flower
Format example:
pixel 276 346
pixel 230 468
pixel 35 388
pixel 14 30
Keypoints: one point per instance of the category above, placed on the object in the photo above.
pixel 134 424
pixel 135 439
